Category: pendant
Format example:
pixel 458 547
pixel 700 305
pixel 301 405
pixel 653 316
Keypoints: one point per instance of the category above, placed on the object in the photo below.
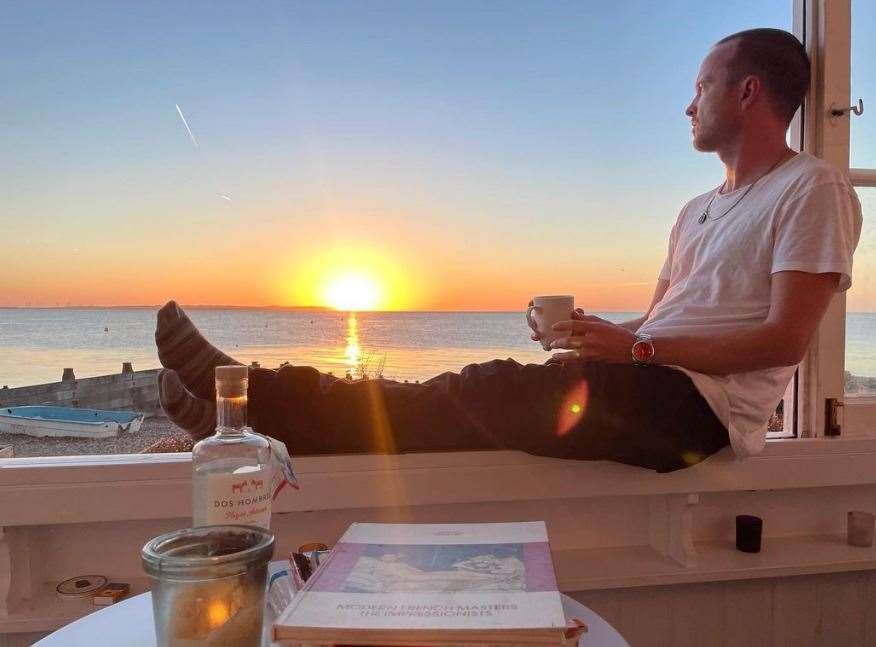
pixel 703 217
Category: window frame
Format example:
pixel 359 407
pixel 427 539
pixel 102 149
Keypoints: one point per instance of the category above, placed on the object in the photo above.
pixel 800 134
pixel 828 25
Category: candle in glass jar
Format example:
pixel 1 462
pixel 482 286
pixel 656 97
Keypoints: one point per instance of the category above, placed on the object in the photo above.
pixel 209 585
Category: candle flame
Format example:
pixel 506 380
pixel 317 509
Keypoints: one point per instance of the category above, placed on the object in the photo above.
pixel 217 614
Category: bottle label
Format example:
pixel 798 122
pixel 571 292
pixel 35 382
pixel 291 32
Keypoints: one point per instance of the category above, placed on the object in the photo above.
pixel 242 498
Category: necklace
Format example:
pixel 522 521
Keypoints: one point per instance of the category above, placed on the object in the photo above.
pixel 705 215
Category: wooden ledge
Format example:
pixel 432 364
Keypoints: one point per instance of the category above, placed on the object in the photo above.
pixel 35 491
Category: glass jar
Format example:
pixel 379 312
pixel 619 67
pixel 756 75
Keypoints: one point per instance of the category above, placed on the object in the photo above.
pixel 208 585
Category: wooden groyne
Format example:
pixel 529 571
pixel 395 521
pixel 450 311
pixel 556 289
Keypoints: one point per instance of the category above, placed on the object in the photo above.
pixel 129 390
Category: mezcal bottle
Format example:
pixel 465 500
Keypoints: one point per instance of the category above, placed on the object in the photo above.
pixel 231 470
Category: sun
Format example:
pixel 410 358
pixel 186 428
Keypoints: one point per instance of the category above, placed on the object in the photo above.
pixel 350 278
pixel 352 291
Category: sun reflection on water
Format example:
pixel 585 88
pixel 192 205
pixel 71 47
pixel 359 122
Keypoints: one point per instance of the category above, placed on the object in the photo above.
pixel 352 353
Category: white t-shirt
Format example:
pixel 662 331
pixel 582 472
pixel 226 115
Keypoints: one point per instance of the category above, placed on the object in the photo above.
pixel 803 216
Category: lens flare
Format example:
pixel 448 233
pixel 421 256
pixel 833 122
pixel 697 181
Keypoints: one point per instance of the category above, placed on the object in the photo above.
pixel 691 458
pixel 573 408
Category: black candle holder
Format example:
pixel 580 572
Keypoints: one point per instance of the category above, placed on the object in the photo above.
pixel 748 532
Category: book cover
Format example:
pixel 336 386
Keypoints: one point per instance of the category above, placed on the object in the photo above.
pixel 434 583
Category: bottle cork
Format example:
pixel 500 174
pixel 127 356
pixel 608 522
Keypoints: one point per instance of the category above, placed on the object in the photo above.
pixel 231 381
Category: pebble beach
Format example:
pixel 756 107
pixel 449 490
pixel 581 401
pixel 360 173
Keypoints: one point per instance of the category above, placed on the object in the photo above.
pixel 157 433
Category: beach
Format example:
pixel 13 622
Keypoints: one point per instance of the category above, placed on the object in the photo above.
pixel 153 430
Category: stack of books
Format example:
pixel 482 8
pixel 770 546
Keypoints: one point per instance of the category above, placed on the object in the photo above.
pixel 432 585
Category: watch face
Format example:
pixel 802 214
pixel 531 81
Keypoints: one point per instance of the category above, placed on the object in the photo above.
pixel 643 350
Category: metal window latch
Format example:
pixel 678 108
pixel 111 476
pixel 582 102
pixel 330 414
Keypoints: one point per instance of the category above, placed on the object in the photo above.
pixel 833 417
pixel 839 112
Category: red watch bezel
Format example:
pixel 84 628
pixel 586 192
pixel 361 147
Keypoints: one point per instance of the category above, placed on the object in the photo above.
pixel 643 350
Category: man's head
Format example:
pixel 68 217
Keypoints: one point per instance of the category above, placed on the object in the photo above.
pixel 751 80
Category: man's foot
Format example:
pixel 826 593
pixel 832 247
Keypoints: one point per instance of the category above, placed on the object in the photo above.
pixel 195 416
pixel 181 347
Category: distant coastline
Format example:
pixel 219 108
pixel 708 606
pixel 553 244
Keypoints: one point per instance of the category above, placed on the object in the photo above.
pixel 321 309
pixel 186 306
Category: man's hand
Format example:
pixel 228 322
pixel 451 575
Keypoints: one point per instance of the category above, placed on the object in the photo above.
pixel 594 339
pixel 577 315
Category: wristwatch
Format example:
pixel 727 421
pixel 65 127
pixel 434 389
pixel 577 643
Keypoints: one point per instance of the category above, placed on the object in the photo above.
pixel 643 350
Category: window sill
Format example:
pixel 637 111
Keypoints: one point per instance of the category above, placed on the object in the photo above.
pixel 37 491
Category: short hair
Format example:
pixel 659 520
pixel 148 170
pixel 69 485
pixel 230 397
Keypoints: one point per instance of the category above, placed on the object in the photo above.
pixel 779 59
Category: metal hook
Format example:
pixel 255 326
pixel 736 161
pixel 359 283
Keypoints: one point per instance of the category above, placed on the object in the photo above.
pixel 858 110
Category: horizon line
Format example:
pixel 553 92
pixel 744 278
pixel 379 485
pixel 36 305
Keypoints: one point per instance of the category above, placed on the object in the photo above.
pixel 312 308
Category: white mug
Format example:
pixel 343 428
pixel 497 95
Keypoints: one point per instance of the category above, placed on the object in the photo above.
pixel 547 310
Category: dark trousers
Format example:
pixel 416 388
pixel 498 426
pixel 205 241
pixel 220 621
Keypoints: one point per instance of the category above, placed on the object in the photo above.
pixel 650 416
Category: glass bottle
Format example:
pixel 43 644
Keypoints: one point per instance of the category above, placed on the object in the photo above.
pixel 231 470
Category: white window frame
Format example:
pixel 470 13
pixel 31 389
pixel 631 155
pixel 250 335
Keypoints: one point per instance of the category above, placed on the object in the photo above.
pixel 800 419
pixel 827 26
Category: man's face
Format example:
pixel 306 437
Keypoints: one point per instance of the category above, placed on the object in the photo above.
pixel 714 111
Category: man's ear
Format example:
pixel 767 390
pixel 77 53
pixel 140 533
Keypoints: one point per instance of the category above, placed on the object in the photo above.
pixel 751 89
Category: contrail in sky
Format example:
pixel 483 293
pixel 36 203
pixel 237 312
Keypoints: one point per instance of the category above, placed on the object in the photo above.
pixel 186 124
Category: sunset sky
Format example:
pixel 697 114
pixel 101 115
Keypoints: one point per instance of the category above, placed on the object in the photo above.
pixel 428 155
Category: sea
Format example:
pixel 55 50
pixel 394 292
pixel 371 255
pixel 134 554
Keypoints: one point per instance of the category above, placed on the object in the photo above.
pixel 36 344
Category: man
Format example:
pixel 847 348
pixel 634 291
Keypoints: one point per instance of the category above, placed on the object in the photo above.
pixel 751 268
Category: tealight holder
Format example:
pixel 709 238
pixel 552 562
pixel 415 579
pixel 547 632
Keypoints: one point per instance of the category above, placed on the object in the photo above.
pixel 748 533
pixel 208 585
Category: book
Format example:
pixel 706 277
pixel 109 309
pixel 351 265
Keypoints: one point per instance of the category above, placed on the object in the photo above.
pixel 431 584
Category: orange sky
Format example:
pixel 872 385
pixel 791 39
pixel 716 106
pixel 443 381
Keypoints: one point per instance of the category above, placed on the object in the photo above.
pixel 407 275
pixel 272 260
pixel 439 282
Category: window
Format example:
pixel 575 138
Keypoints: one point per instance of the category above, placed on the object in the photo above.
pixel 860 370
pixel 443 162
pixel 840 363
pixel 863 78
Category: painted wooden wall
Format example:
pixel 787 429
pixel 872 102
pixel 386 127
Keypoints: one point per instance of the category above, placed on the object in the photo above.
pixel 832 610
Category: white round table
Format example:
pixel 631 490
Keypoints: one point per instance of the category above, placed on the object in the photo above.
pixel 129 624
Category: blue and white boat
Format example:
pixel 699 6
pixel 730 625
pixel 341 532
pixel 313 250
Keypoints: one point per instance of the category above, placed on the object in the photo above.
pixel 68 422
